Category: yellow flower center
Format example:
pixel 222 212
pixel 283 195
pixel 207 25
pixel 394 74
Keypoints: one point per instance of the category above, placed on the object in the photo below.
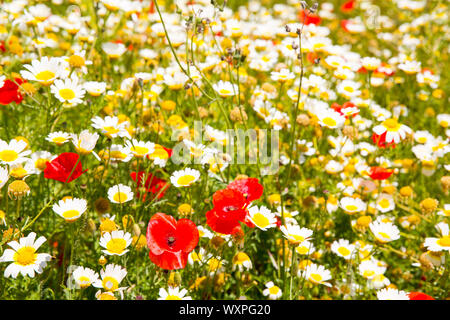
pixel 8 155
pixel 120 197
pixel 391 124
pixel 45 76
pixel 240 258
pixel 349 89
pixel 25 256
pixel 224 92
pixel 139 151
pixel 118 155
pixel 185 180
pixel 67 94
pixel 384 203
pixel 41 164
pixel 274 290
pixel 110 130
pixel 70 214
pixel 302 250
pixel 351 207
pixel 344 251
pixel 116 245
pixel 110 284
pixel 330 122
pixel 444 241
pixel 106 296
pixel 368 273
pixel 59 140
pixel 18 172
pixel 173 297
pixel 260 220
pixel 384 235
pixel 316 277
pixel 84 282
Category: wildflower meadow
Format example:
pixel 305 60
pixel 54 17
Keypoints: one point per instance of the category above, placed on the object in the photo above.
pixel 224 150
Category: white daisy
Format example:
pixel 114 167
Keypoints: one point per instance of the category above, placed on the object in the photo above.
pixel 115 242
pixel 24 257
pixel 120 193
pixel 70 209
pixel 185 177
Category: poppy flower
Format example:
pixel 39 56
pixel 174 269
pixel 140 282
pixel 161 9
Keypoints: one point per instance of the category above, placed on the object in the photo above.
pixel 9 92
pixel 380 141
pixel 170 241
pixel 229 209
pixel 309 18
pixel 348 6
pixel 152 184
pixel 379 173
pixel 249 187
pixel 61 167
pixel 419 296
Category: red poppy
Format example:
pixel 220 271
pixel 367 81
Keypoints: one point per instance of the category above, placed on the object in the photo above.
pixel 152 7
pixel 419 296
pixel 380 141
pixel 379 173
pixel 152 184
pixel 9 92
pixel 229 209
pixel 2 46
pixel 348 6
pixel 61 167
pixel 170 242
pixel 249 187
pixel 309 18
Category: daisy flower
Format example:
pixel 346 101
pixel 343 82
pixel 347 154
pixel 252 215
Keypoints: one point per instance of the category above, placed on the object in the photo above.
pixel 68 91
pixel 274 292
pixel 111 277
pixel 94 88
pixel 140 149
pixel 40 159
pixel 59 137
pixel 45 71
pixel 330 119
pixel 13 152
pixel 204 232
pixel 184 178
pixel 262 217
pixel 395 132
pixel 305 248
pixel 442 243
pixel 173 293
pixel 99 295
pixel 370 269
pixel 114 50
pixel 117 153
pixel 352 205
pixel 242 261
pixel 22 170
pixel 85 142
pixel 84 277
pixel 384 232
pixel 120 193
pixel 385 203
pixel 392 294
pixel 343 249
pixel 115 242
pixel 111 127
pixel 24 258
pixel 70 209
pixel 295 234
pixel 225 88
pixel 316 274
pixel 282 76
pixel 199 256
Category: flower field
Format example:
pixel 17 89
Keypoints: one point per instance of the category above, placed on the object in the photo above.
pixel 223 150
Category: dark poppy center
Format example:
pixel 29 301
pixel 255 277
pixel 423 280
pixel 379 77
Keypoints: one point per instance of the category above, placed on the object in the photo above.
pixel 170 241
pixel 230 208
